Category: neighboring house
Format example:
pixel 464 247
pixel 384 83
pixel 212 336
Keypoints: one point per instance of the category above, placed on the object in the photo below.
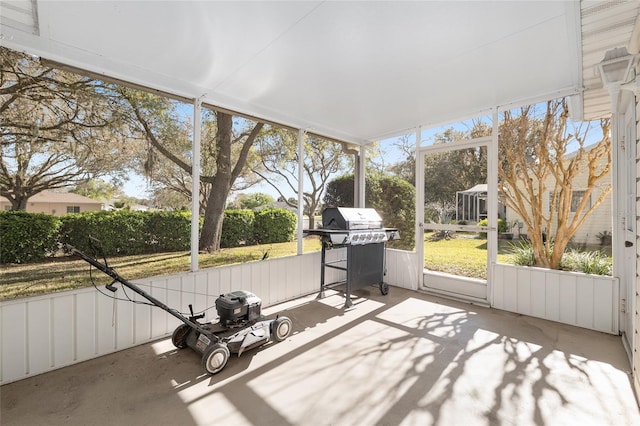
pixel 598 221
pixel 56 203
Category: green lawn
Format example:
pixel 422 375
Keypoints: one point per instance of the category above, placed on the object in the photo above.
pixel 65 273
pixel 462 255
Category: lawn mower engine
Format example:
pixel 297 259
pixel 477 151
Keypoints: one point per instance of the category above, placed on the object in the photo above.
pixel 238 308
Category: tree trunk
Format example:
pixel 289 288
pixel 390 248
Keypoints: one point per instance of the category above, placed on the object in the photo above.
pixel 225 176
pixel 213 217
pixel 214 212
pixel 19 203
pixel 18 199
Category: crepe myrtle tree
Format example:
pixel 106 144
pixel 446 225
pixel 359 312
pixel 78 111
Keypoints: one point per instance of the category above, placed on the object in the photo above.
pixel 543 159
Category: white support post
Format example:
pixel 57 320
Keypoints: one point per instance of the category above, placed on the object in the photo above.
pixel 419 231
pixel 362 169
pixel 195 185
pixel 492 207
pixel 301 152
pixel 617 225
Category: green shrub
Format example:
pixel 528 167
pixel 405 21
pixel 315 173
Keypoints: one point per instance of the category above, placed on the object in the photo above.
pixel 126 232
pixel 27 237
pixel 167 231
pixel 274 226
pixel 120 232
pixel 589 262
pixel 393 198
pixel 522 253
pixel 237 228
pixel 502 226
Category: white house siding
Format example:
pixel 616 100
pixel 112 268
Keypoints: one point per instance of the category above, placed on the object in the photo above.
pixel 598 221
pixel 636 324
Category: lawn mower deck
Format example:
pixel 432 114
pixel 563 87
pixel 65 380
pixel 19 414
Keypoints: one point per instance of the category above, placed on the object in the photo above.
pixel 241 327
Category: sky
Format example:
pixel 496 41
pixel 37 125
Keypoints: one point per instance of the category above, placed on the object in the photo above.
pixel 137 187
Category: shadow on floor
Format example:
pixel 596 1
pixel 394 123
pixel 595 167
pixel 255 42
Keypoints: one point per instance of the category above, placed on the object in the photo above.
pixel 402 358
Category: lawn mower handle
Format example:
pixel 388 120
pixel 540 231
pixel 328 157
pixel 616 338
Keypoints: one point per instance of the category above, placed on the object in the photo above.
pixel 116 277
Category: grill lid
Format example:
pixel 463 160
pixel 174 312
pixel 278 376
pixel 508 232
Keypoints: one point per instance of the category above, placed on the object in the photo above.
pixel 348 218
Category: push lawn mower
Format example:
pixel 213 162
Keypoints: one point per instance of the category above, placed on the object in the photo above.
pixel 241 325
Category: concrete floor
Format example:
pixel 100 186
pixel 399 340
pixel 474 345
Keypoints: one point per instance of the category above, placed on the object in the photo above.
pixel 406 358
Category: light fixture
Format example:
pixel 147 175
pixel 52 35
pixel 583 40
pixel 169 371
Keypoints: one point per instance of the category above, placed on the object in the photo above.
pixel 615 68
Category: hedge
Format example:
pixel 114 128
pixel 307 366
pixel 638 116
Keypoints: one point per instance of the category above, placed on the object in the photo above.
pixel 27 237
pixel 126 232
pixel 274 225
pixel 120 232
pixel 168 231
pixel 502 226
pixel 237 228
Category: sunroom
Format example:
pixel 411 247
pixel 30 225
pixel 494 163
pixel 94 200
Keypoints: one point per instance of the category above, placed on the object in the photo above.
pixel 355 72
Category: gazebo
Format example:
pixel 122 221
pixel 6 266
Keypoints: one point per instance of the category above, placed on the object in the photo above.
pixel 472 204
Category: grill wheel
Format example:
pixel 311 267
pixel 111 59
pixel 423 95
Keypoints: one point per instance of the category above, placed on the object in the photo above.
pixel 384 288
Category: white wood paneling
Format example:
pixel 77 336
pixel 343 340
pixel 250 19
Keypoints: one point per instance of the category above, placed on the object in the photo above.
pixel 158 316
pixel 85 325
pixel 48 332
pixel 39 336
pixel 124 317
pixel 589 301
pixel 43 333
pixel 63 338
pixel 106 325
pixel 14 342
pixel 455 286
pixel 401 269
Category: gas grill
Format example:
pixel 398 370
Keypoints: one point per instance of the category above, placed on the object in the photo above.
pixel 360 231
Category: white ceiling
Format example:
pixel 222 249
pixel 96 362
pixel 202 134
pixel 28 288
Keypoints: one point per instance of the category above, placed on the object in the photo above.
pixel 355 71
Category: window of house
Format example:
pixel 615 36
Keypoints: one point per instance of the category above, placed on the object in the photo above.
pixel 576 199
pixel 73 209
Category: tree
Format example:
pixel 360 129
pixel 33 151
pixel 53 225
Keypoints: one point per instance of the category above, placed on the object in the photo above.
pixel 98 189
pixel 254 201
pixel 455 170
pixel 225 147
pixel 541 161
pixel 57 129
pixel 167 199
pixel 406 168
pixel 277 151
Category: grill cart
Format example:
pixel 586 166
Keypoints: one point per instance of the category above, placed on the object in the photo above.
pixel 241 325
pixel 360 230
